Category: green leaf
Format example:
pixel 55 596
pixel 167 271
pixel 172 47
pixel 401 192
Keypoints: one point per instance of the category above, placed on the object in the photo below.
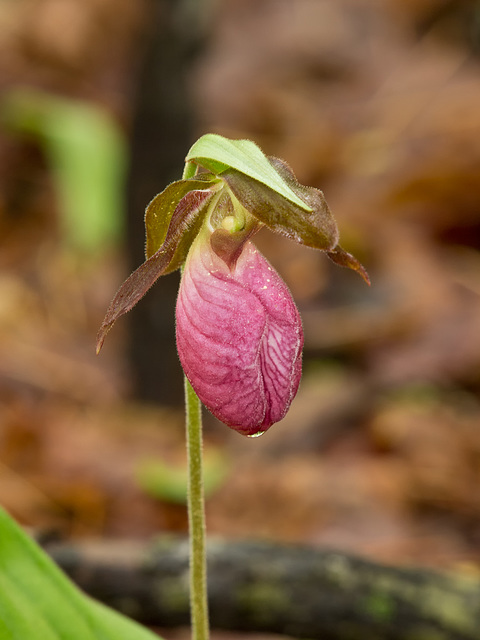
pixel 218 154
pixel 38 602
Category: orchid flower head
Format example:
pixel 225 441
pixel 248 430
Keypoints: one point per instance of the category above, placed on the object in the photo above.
pixel 239 334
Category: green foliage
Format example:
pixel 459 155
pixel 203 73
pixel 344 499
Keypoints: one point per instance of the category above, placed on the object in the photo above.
pixel 87 154
pixel 38 602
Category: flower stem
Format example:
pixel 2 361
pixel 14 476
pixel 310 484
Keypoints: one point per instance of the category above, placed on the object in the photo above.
pixel 196 516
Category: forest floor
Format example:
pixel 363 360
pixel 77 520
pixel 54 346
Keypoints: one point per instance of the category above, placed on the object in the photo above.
pixel 380 452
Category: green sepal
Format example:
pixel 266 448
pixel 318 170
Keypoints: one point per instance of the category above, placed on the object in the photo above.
pixel 315 228
pixel 218 154
pixel 160 210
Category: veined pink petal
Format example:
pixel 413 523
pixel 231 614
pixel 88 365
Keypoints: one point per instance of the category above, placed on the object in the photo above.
pixel 239 337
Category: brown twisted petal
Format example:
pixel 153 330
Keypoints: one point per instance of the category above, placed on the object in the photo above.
pixel 184 225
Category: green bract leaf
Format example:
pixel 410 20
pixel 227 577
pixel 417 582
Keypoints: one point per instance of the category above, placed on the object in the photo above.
pixel 184 226
pixel 38 602
pixel 315 228
pixel 218 154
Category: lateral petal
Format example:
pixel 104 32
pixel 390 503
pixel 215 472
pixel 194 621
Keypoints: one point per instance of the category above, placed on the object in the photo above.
pixel 184 225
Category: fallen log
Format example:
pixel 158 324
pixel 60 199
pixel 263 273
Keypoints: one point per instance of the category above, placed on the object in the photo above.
pixel 264 587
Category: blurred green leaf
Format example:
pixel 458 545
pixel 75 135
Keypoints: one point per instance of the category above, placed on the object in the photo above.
pixel 169 483
pixel 87 153
pixel 38 602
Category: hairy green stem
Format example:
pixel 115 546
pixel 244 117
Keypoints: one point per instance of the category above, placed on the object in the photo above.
pixel 196 500
pixel 196 516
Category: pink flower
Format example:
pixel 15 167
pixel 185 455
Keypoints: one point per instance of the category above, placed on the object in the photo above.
pixel 239 334
pixel 239 337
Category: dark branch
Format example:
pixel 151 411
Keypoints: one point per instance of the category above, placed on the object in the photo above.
pixel 262 587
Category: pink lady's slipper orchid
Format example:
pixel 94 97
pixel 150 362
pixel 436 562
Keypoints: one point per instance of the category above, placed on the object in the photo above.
pixel 239 336
pixel 239 333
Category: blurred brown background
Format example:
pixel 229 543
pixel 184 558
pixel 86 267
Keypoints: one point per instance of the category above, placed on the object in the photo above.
pixel 376 103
